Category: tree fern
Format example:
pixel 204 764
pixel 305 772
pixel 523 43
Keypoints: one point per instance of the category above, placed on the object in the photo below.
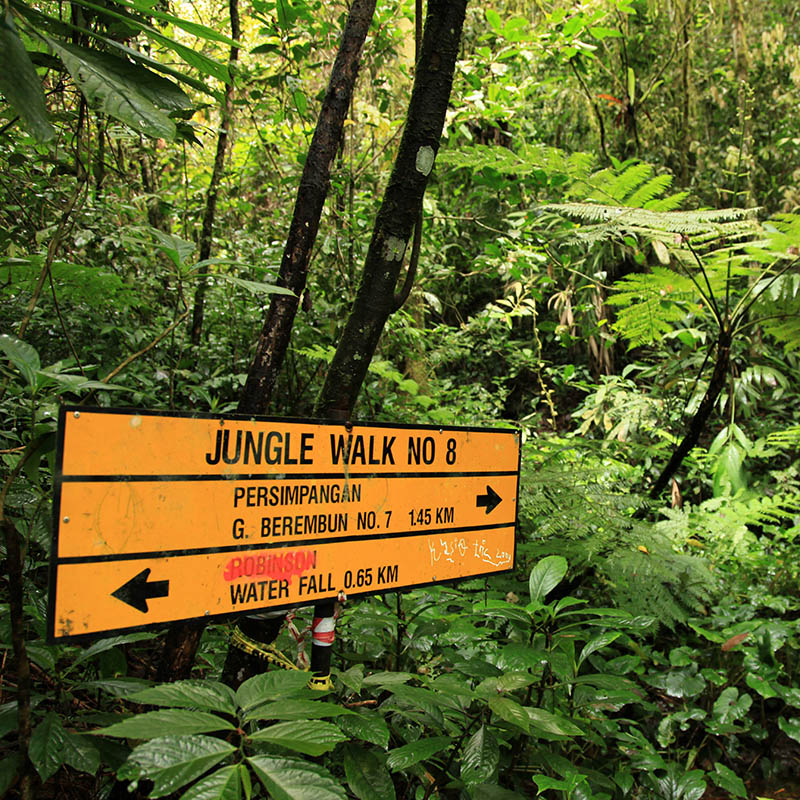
pixel 586 515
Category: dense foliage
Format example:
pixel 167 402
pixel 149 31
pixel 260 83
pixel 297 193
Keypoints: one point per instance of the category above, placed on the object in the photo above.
pixel 609 260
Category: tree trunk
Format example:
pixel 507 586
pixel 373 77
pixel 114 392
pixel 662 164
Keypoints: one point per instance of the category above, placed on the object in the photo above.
pixel 314 183
pixel 698 423
pixel 207 231
pixel 183 639
pixel 376 300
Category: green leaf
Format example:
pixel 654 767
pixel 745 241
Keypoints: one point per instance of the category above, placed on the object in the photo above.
pixel 791 727
pixel 552 723
pixel 300 102
pixel 194 28
pixel 172 761
pixel 22 355
pixel 111 93
pixel 312 737
pixel 480 758
pixel 511 681
pixel 758 684
pixel 254 287
pixel 414 752
pixel 107 644
pixel 51 746
pixel 366 773
pixel 207 694
pixel 119 687
pixel 510 711
pixel 154 723
pixel 9 718
pixel 292 779
pixel 493 18
pixel 545 576
pixel 8 771
pixel 19 82
pixel 297 709
pixel 224 784
pixel 275 685
pixel 368 726
pixel 600 32
pixel 728 780
pixel 206 65
pixel 387 679
pixel 598 643
pixel 286 14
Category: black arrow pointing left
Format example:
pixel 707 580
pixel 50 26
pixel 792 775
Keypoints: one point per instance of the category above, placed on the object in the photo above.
pixel 137 591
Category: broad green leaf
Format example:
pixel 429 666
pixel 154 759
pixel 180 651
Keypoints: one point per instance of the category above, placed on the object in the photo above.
pixel 600 32
pixel 19 83
pixel 300 102
pixel 791 727
pixel 286 15
pixel 22 355
pixel 728 780
pixel 292 779
pixel 510 711
pixel 730 706
pixel 511 681
pixel 173 761
pixel 52 745
pixel 387 679
pixel 110 93
pixel 369 726
pixel 758 684
pixel 119 687
pixel 172 246
pixel 414 752
pixel 224 784
pixel 275 685
pixel 480 758
pixel 312 737
pixel 598 643
pixel 493 18
pixel 551 723
pixel 9 718
pixel 297 709
pixel 206 65
pixel 254 287
pixel 545 576
pixel 366 773
pixel 207 694
pixel 194 28
pixel 352 678
pixel 8 771
pixel 176 721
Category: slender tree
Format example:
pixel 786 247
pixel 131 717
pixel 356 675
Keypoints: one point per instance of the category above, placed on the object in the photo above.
pixel 207 230
pixel 182 640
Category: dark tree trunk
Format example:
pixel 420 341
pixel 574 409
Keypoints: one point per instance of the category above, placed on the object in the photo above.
pixel 376 299
pixel 698 423
pixel 274 339
pixel 207 230
pixel 183 639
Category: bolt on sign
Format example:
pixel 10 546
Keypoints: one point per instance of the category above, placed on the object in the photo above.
pixel 164 517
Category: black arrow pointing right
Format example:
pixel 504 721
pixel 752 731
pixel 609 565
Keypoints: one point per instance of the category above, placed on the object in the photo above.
pixel 137 591
pixel 490 500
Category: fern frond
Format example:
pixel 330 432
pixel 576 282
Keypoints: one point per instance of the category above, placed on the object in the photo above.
pixel 650 304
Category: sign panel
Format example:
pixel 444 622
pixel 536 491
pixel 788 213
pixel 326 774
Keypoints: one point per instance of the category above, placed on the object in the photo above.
pixel 161 517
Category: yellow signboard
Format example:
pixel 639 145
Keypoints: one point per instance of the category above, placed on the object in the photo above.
pixel 163 517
